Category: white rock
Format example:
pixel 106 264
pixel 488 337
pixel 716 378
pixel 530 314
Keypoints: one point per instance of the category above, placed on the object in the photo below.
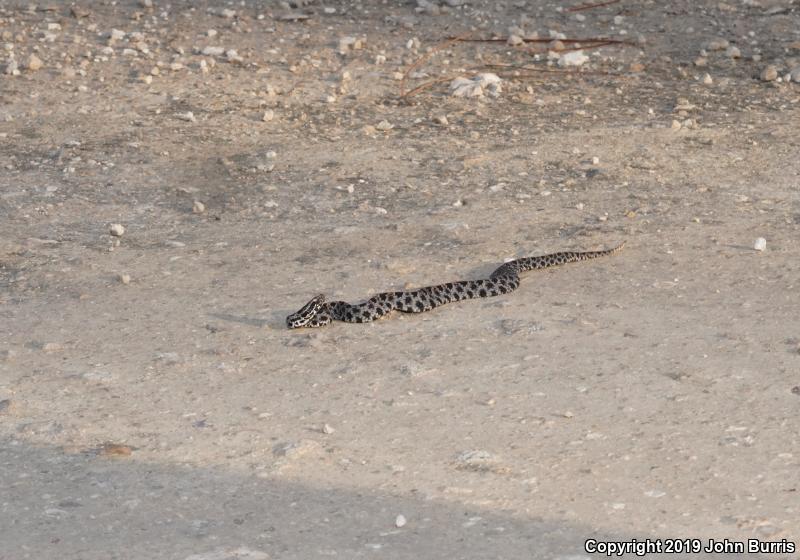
pixel 198 207
pixel 268 115
pixel 327 429
pixel 384 126
pixel 213 51
pixel 707 79
pixel 125 278
pixel 227 13
pixel 476 87
pixel 117 35
pixel 12 68
pixel 733 52
pixel 572 58
pixel 187 116
pixel 233 56
pixel 515 40
pixel 117 230
pixel 760 244
pixel 400 521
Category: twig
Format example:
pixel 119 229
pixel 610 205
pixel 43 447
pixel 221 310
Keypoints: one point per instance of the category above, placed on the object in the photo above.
pixel 606 40
pixel 590 6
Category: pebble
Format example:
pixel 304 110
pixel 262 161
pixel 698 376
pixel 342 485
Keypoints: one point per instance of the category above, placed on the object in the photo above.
pixel 383 126
pixel 400 521
pixel 676 125
pixel 442 120
pixel 572 58
pixel 794 74
pixel 213 51
pixel 268 115
pixel 125 278
pixel 34 63
pixel 476 87
pixel 733 52
pixel 515 40
pixel 116 35
pixel 717 45
pixel 198 207
pixel 327 429
pixel 708 80
pixel 117 230
pixel 233 56
pixel 52 347
pixel 187 116
pixel 769 73
pixel 12 68
pixel 760 244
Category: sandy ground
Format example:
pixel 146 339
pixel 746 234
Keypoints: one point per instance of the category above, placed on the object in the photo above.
pixel 152 402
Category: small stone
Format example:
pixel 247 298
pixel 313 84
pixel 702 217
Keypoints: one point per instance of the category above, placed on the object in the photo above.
pixel 198 207
pixel 573 58
pixel 595 160
pixel 384 126
pixel 760 244
pixel 676 125
pixel 637 67
pixel 125 278
pixel 117 35
pixel 227 13
pixel 701 62
pixel 733 52
pixel 717 44
pixel 233 56
pixel 708 80
pixel 12 68
pixel 515 40
pixel 187 116
pixel 146 3
pixel 211 33
pixel 117 230
pixel 213 51
pixel 769 73
pixel 268 115
pixel 400 521
pixel 34 63
pixel 794 74
pixel 327 429
pixel 442 120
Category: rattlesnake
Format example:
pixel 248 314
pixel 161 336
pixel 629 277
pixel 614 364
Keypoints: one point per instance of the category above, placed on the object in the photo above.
pixel 505 279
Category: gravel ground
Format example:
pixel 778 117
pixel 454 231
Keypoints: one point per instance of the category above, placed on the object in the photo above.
pixel 176 178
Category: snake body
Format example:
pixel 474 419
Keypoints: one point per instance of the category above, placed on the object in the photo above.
pixel 505 279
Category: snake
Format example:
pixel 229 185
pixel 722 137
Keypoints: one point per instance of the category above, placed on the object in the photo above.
pixel 318 312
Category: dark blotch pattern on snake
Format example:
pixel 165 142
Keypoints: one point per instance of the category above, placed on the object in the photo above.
pixel 505 279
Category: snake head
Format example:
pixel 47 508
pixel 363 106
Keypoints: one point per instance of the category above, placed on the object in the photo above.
pixel 302 317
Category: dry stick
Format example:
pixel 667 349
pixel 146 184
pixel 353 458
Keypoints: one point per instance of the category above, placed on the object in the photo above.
pixel 423 58
pixel 606 40
pixel 590 6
